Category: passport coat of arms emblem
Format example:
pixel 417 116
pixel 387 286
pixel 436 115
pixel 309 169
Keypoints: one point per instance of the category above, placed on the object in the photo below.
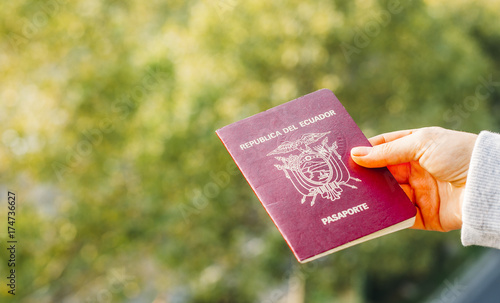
pixel 314 169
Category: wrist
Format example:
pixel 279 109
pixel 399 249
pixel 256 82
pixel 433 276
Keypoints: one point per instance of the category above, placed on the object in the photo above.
pixel 460 206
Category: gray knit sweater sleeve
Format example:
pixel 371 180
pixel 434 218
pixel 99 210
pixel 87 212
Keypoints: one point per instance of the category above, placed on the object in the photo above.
pixel 481 205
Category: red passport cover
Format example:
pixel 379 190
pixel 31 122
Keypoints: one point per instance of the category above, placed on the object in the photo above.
pixel 296 158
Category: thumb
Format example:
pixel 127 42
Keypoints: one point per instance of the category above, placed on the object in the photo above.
pixel 399 151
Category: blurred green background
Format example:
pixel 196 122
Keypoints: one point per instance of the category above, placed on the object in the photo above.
pixel 125 194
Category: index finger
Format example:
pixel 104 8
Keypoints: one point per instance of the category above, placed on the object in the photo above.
pixel 388 137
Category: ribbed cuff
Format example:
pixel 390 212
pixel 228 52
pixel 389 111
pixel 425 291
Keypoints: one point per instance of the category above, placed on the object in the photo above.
pixel 481 205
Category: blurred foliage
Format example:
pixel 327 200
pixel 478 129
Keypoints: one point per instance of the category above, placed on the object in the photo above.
pixel 108 112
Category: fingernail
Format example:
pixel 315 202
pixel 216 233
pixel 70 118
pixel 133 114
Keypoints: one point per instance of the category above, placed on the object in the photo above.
pixel 360 151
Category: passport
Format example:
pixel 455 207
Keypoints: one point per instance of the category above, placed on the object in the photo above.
pixel 296 158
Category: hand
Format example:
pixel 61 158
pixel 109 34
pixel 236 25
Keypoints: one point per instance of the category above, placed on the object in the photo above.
pixel 431 166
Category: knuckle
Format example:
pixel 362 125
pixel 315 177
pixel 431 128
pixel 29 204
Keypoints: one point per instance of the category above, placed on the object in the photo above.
pixel 427 138
pixel 384 152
